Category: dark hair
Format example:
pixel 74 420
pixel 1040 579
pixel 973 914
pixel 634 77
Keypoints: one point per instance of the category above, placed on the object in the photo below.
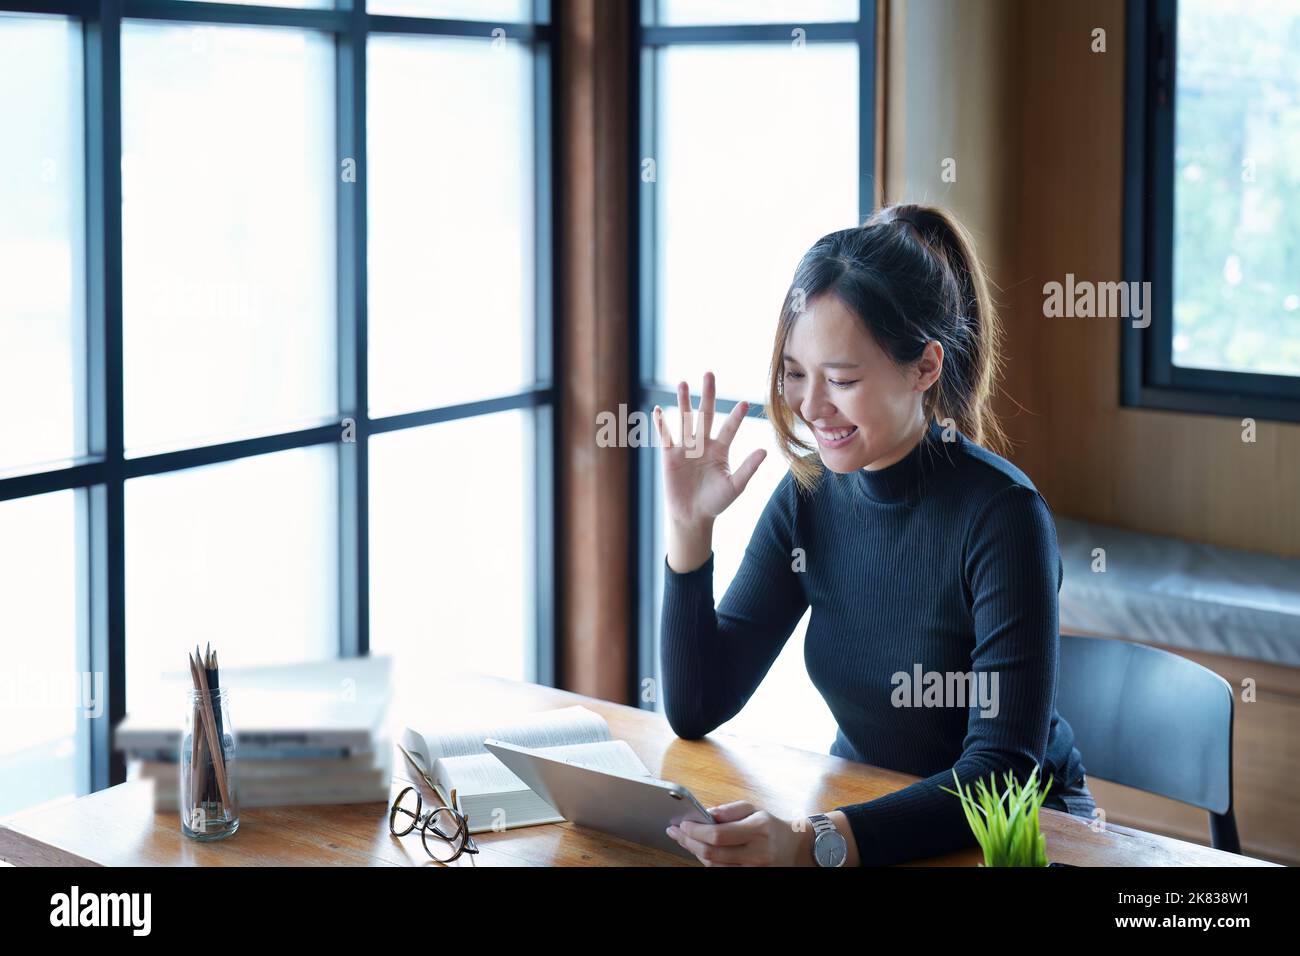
pixel 911 276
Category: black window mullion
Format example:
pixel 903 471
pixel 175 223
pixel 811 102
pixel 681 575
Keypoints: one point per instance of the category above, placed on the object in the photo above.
pixel 866 38
pixel 1160 179
pixel 1137 239
pixel 750 33
pixel 642 340
pixel 106 551
pixel 188 11
pixel 644 132
pixel 429 26
pixel 82 9
pixel 354 449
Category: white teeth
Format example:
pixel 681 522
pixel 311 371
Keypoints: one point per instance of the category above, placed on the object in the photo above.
pixel 836 435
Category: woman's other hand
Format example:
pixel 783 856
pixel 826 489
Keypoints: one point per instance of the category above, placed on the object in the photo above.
pixel 744 836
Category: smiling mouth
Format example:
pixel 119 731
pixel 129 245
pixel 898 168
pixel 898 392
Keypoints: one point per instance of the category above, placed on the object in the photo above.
pixel 835 436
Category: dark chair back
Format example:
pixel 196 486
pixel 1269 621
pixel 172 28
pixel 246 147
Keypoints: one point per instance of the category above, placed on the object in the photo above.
pixel 1150 719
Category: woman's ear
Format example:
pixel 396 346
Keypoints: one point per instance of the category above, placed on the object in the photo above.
pixel 930 365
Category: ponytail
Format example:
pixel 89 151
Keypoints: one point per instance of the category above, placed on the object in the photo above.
pixel 973 361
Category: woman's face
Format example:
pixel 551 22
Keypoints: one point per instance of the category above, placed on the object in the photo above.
pixel 864 411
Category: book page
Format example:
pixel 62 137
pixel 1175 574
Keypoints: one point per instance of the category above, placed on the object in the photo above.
pixel 549 728
pixel 476 774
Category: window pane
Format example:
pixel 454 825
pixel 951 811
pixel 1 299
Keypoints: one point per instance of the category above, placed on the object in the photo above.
pixel 498 11
pixel 684 12
pixel 243 554
pixel 1237 187
pixel 42 256
pixel 451 285
pixel 228 183
pixel 741 197
pixel 44 693
pixel 786 707
pixel 451 545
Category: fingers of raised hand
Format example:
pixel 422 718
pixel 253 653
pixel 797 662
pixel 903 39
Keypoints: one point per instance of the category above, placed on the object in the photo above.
pixel 684 407
pixel 740 477
pixel 732 424
pixel 665 436
pixel 708 403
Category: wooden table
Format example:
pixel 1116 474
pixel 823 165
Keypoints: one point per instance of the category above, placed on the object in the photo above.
pixel 119 827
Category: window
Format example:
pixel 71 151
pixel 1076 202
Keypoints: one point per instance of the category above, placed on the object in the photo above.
pixel 451 308
pixel 47 696
pixel 423 550
pixel 500 11
pixel 47 693
pixel 228 282
pixel 1212 219
pixel 261 362
pixel 740 198
pixel 698 12
pixel 42 246
pixel 254 570
pixel 729 200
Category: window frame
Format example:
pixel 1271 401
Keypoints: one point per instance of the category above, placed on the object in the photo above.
pixel 645 493
pixel 104 471
pixel 1148 376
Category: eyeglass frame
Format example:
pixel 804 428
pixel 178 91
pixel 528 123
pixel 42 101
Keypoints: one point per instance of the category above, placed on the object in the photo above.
pixel 424 822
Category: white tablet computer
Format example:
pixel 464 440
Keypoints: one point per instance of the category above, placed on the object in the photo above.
pixel 636 809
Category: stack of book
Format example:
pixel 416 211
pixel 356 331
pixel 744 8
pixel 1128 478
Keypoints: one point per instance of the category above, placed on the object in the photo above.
pixel 305 734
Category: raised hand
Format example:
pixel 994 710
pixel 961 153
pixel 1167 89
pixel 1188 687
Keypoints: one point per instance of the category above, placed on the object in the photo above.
pixel 698 482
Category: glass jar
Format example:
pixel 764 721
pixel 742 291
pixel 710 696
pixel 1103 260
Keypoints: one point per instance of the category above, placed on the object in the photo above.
pixel 209 805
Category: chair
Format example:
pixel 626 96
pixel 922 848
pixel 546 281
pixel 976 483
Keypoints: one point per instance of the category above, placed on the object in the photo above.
pixel 1150 719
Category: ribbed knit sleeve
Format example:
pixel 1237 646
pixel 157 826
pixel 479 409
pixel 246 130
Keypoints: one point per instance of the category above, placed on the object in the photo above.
pixel 1012 571
pixel 713 661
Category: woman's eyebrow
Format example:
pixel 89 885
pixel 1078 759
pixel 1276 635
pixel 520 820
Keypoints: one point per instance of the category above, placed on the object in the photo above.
pixel 791 358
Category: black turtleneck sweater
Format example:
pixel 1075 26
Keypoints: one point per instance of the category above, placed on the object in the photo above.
pixel 945 562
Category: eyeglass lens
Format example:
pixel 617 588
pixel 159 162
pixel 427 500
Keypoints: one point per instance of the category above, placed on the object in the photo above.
pixel 442 831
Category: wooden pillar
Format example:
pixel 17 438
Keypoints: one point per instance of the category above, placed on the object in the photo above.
pixel 593 370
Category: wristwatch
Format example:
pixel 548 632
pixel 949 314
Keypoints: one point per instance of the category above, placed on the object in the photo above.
pixel 829 845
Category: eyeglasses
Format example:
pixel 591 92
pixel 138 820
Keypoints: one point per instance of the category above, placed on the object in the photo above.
pixel 443 830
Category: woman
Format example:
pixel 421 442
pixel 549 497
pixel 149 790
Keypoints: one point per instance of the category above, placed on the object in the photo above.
pixel 919 551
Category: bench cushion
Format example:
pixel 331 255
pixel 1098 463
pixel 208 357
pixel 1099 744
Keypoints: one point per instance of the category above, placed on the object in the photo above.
pixel 1162 590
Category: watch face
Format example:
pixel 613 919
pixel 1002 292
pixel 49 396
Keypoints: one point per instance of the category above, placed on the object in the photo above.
pixel 830 849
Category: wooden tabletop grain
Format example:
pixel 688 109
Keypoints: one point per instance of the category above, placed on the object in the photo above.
pixel 119 827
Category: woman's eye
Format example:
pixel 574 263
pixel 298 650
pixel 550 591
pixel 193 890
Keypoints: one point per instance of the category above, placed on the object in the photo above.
pixel 790 373
pixel 843 384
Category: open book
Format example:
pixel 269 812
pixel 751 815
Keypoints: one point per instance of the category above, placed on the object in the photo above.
pixel 489 791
